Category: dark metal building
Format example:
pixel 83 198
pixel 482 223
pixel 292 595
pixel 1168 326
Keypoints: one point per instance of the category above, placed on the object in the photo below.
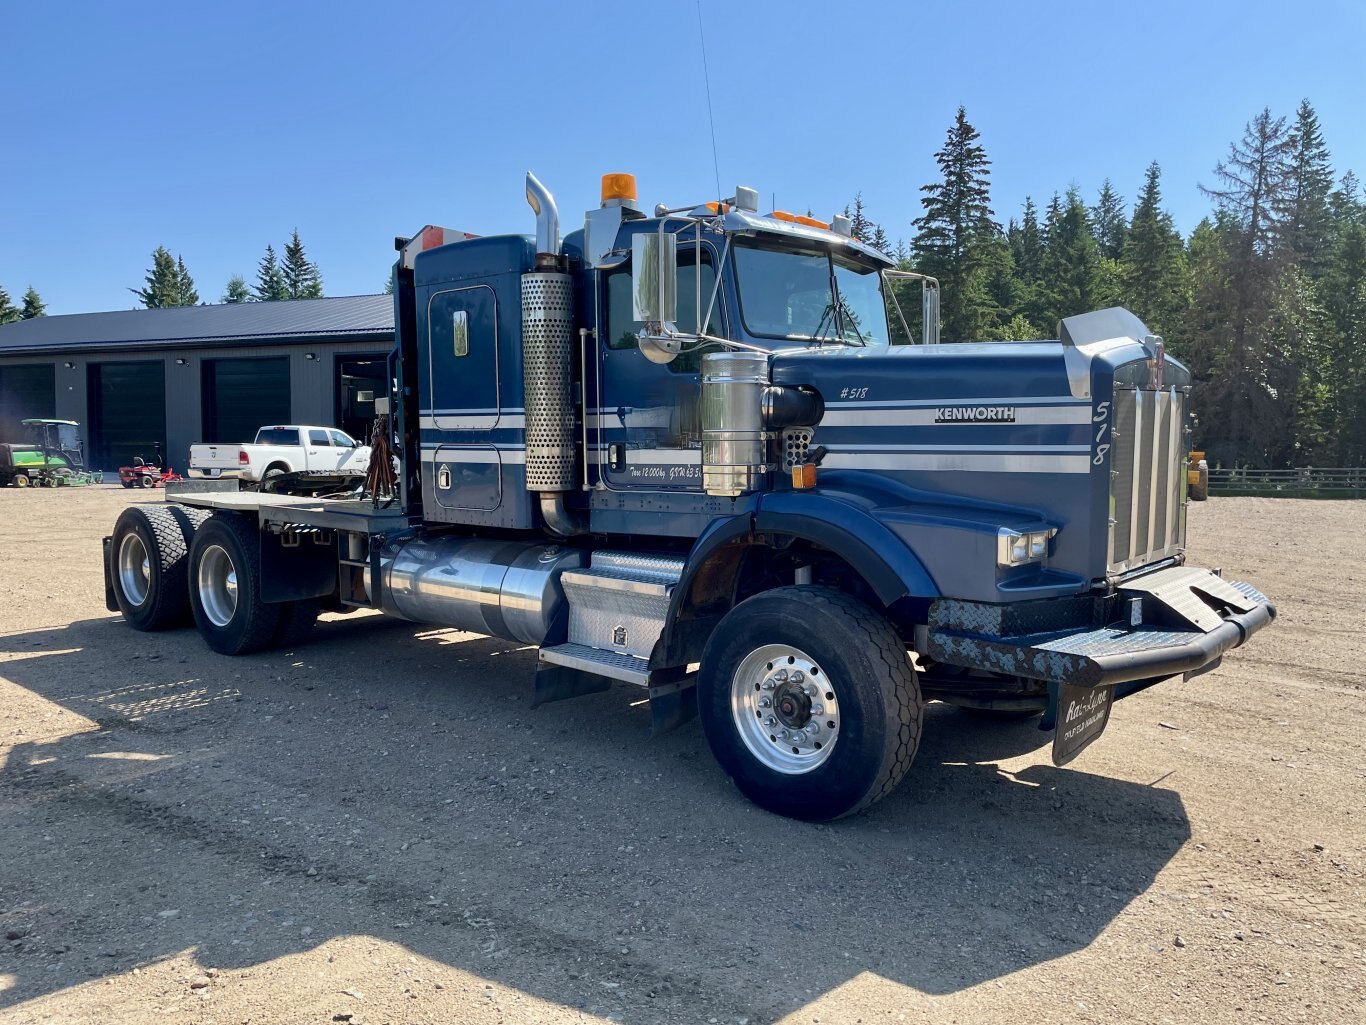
pixel 139 379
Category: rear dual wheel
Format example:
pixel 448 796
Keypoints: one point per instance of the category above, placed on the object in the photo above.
pixel 148 565
pixel 225 592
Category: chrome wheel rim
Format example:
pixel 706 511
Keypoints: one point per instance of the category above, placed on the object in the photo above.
pixel 785 709
pixel 135 569
pixel 217 585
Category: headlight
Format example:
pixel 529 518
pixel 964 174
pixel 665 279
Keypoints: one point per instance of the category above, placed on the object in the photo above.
pixel 1017 548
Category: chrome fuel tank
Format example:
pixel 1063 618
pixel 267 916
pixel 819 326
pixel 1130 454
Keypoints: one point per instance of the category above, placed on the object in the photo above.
pixel 502 588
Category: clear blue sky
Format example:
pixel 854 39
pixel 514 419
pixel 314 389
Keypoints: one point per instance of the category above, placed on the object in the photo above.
pixel 214 129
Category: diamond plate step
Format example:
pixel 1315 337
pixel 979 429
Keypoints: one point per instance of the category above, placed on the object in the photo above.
pixel 614 665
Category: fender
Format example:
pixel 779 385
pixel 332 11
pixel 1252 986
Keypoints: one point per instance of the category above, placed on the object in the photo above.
pixel 841 521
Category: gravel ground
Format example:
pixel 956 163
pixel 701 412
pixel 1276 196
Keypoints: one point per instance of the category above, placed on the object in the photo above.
pixel 376 828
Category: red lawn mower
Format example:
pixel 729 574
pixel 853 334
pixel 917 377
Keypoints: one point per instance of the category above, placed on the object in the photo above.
pixel 146 475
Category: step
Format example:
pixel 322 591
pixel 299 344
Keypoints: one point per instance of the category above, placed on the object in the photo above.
pixel 612 664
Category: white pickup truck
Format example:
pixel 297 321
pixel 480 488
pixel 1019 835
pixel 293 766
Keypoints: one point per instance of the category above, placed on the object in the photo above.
pixel 281 449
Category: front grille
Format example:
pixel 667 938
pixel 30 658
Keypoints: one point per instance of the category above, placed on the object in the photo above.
pixel 1148 477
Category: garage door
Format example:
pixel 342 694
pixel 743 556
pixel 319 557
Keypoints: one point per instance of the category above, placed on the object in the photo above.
pixel 127 413
pixel 242 395
pixel 27 391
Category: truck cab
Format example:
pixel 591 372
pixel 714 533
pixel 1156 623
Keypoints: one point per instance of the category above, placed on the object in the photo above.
pixel 679 451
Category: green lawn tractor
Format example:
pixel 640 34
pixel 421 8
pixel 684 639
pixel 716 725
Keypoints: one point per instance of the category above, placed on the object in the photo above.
pixel 53 457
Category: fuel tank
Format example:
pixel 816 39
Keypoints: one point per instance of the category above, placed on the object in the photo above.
pixel 505 589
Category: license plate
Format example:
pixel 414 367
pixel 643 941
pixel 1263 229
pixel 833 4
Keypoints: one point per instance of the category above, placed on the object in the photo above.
pixel 1083 713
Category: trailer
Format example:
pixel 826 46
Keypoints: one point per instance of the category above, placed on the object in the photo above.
pixel 678 451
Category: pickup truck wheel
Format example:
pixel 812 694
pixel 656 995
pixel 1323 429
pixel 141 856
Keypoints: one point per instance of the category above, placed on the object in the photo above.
pixel 148 552
pixel 274 471
pixel 225 587
pixel 809 702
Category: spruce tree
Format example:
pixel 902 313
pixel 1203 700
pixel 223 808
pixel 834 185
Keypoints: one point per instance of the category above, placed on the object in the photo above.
pixel 859 226
pixel 1153 279
pixel 185 290
pixel 1108 223
pixel 1033 301
pixel 163 287
pixel 237 290
pixel 270 281
pixel 956 231
pixel 1304 207
pixel 1072 263
pixel 33 305
pixel 302 280
pixel 1246 350
pixel 8 311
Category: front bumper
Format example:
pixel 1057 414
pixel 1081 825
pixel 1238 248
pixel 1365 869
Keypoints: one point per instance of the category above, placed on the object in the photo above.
pixel 1172 621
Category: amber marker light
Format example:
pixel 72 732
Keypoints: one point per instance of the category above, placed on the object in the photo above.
pixel 804 476
pixel 619 186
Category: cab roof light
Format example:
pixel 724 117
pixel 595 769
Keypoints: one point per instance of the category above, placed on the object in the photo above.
pixel 783 215
pixel 811 222
pixel 619 186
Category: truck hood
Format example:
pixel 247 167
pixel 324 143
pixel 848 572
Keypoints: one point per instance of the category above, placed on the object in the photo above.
pixel 1026 424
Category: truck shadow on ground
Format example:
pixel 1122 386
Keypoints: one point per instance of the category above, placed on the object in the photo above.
pixel 393 783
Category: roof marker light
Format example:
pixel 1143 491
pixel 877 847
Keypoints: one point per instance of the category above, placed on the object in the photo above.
pixel 619 186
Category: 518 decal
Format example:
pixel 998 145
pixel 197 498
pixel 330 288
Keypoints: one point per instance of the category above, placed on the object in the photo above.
pixel 1101 419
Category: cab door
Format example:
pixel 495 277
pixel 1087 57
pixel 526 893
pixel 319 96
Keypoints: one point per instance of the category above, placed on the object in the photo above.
pixel 647 424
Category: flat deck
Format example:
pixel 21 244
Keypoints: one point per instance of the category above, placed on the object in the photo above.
pixel 328 513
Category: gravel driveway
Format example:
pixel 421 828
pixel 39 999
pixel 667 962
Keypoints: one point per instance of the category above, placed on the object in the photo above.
pixel 376 828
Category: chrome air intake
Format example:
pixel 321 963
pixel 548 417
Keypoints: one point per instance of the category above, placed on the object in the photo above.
pixel 501 588
pixel 734 442
pixel 547 336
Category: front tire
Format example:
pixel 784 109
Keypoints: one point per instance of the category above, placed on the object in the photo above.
pixel 809 702
pixel 225 587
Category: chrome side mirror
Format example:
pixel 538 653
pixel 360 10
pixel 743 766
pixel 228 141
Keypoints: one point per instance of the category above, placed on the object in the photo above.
pixel 654 294
pixel 654 278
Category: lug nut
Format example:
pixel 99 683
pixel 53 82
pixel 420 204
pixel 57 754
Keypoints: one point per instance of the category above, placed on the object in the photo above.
pixel 798 676
pixel 780 676
pixel 812 690
pixel 770 722
pixel 765 702
pixel 817 709
pixel 768 685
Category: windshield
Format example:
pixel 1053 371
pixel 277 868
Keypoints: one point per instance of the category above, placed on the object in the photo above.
pixel 809 296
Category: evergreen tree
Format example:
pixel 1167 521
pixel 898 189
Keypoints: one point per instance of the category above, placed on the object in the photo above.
pixel 1246 351
pixel 859 226
pixel 302 280
pixel 1344 302
pixel 237 290
pixel 389 285
pixel 186 294
pixel 1305 205
pixel 956 232
pixel 270 280
pixel 1033 300
pixel 1108 223
pixel 8 311
pixel 880 241
pixel 1153 279
pixel 33 305
pixel 1071 259
pixel 163 288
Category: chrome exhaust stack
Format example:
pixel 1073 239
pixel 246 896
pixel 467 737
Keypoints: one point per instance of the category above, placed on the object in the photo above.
pixel 547 347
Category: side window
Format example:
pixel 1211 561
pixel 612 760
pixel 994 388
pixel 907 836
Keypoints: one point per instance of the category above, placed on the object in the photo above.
pixel 621 329
pixel 460 333
pixel 341 440
pixel 318 438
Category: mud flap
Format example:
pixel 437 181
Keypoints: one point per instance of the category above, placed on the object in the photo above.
pixel 1077 716
pixel 110 602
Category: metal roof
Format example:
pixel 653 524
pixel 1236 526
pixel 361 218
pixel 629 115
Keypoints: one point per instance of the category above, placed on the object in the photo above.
pixel 360 317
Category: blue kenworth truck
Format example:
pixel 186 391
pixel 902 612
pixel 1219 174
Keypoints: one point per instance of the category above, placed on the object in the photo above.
pixel 678 450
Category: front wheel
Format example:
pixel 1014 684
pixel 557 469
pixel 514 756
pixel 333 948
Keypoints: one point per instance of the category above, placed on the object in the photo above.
pixel 809 702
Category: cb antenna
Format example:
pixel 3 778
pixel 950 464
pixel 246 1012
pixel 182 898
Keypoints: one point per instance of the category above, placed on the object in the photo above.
pixel 711 118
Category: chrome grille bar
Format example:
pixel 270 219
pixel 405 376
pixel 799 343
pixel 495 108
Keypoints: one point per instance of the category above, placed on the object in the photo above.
pixel 1148 482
